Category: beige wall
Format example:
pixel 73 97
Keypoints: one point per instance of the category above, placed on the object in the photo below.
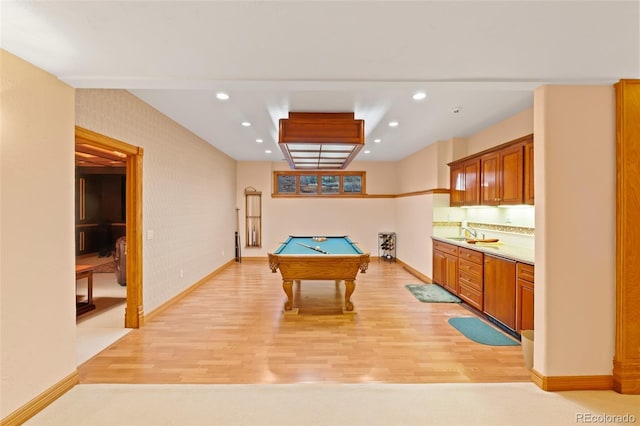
pixel 382 176
pixel 189 199
pixel 518 125
pixel 420 171
pixel 37 277
pixel 414 226
pixel 361 219
pixel 575 169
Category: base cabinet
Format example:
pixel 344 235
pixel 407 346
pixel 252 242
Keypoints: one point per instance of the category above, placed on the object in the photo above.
pixel 470 277
pixel 451 274
pixel 500 290
pixel 445 266
pixel 524 297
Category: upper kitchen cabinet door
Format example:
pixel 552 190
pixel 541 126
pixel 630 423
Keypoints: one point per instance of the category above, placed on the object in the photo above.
pixel 489 180
pixel 472 182
pixel 457 185
pixel 528 173
pixel 511 175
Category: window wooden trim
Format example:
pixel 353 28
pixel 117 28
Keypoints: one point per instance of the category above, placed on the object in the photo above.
pixel 297 173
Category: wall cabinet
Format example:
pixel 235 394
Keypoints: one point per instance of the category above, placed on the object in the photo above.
pixel 471 182
pixel 445 266
pixel 499 176
pixel 465 183
pixel 524 297
pixel 100 206
pixel 86 239
pixel 500 289
pixel 456 185
pixel 528 173
pixel 502 176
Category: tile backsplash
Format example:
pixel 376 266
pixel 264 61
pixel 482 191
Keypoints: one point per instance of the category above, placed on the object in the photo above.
pixel 513 224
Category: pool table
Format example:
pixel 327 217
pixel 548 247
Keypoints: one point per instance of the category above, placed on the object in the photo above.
pixel 319 258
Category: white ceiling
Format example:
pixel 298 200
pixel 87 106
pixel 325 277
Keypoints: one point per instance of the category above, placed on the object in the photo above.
pixel 366 57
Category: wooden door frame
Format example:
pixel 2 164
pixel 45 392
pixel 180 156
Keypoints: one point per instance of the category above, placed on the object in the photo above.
pixel 134 313
pixel 626 361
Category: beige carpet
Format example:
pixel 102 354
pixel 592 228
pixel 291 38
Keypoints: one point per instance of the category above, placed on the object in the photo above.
pixel 335 405
pixel 98 329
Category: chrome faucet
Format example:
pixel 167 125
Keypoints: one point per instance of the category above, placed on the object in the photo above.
pixel 471 231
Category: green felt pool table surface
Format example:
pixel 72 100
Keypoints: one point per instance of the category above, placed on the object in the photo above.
pixel 332 245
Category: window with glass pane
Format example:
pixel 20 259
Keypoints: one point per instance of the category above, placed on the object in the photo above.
pixel 318 183
pixel 286 184
pixel 352 184
pixel 308 184
pixel 330 184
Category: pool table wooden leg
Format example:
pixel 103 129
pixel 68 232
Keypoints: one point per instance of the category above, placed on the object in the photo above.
pixel 287 286
pixel 349 287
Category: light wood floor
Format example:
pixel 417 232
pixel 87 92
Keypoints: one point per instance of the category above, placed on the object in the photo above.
pixel 232 330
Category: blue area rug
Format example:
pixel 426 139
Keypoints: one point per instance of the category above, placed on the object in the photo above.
pixel 481 332
pixel 431 293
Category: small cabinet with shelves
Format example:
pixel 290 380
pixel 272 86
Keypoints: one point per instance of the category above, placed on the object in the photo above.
pixel 253 218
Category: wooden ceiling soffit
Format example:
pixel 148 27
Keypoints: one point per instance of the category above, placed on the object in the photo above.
pixel 320 140
pixel 92 156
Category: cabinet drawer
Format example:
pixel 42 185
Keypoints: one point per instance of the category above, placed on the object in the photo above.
pixel 470 280
pixel 473 268
pixel 471 255
pixel 471 296
pixel 445 248
pixel 525 272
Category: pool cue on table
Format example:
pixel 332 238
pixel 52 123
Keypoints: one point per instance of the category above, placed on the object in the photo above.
pixel 313 248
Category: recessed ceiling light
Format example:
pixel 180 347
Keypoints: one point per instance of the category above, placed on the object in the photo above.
pixel 222 96
pixel 377 140
pixel 259 140
pixel 393 124
pixel 366 151
pixel 246 124
pixel 418 96
pixel 268 151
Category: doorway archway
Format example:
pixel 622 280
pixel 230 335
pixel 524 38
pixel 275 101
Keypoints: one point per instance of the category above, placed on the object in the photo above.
pixel 134 312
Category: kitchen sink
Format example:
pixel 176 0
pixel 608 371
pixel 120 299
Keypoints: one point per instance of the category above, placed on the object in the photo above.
pixel 457 238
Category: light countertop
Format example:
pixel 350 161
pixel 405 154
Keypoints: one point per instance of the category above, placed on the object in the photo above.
pixel 512 252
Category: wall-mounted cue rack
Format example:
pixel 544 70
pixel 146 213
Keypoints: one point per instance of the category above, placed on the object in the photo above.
pixel 253 217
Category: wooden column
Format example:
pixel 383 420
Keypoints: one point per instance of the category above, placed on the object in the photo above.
pixel 626 362
pixel 134 312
